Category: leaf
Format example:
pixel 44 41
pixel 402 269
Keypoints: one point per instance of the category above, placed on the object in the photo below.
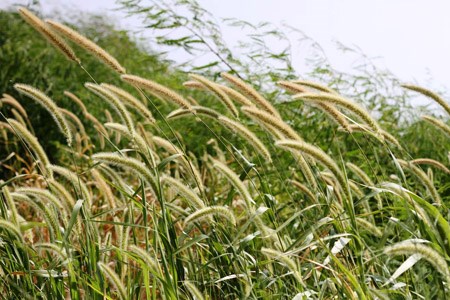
pixel 411 261
pixel 337 247
pixel 191 242
pixel 215 63
pixel 73 218
pixel 166 160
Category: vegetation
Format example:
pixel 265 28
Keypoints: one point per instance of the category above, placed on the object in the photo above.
pixel 126 178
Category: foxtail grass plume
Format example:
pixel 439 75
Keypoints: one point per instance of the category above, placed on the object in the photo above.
pixel 148 260
pixel 12 228
pixel 190 167
pixel 267 118
pixel 87 44
pixel 75 180
pixel 303 188
pixel 329 109
pixel 236 96
pixel 251 93
pixel 366 129
pixel 7 99
pixel 131 101
pixel 345 103
pixel 75 119
pixel 196 294
pixel 246 134
pixel 126 162
pixel 77 101
pixel 422 176
pixel 316 86
pixel 369 227
pixel 114 279
pixel 235 181
pixel 11 205
pixel 50 35
pixel 429 254
pixel 318 155
pixel 283 258
pixel 195 110
pixel 49 105
pixel 139 142
pixel 206 212
pixel 213 87
pixel 439 100
pixel 157 90
pixel 438 124
pixel 187 193
pixel 431 162
pixel 33 145
pixel 105 94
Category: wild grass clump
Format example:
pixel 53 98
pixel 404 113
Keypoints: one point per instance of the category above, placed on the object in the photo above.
pixel 171 194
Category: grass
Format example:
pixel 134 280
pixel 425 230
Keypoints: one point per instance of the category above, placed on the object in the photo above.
pixel 203 198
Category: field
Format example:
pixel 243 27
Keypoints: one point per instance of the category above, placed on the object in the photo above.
pixel 124 178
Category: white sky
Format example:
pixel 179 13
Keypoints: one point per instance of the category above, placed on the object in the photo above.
pixel 409 37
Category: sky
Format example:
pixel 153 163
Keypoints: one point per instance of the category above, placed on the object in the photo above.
pixel 411 38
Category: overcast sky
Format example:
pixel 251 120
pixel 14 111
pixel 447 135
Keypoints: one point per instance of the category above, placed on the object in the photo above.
pixel 411 38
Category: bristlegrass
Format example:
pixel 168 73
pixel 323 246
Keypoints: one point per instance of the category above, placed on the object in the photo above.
pixel 87 44
pixel 50 35
pixel 49 105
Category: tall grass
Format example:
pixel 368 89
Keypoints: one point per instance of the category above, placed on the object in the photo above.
pixel 154 215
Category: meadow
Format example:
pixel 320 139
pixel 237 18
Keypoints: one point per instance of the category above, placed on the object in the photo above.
pixel 124 178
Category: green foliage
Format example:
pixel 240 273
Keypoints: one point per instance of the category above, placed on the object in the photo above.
pixel 106 222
